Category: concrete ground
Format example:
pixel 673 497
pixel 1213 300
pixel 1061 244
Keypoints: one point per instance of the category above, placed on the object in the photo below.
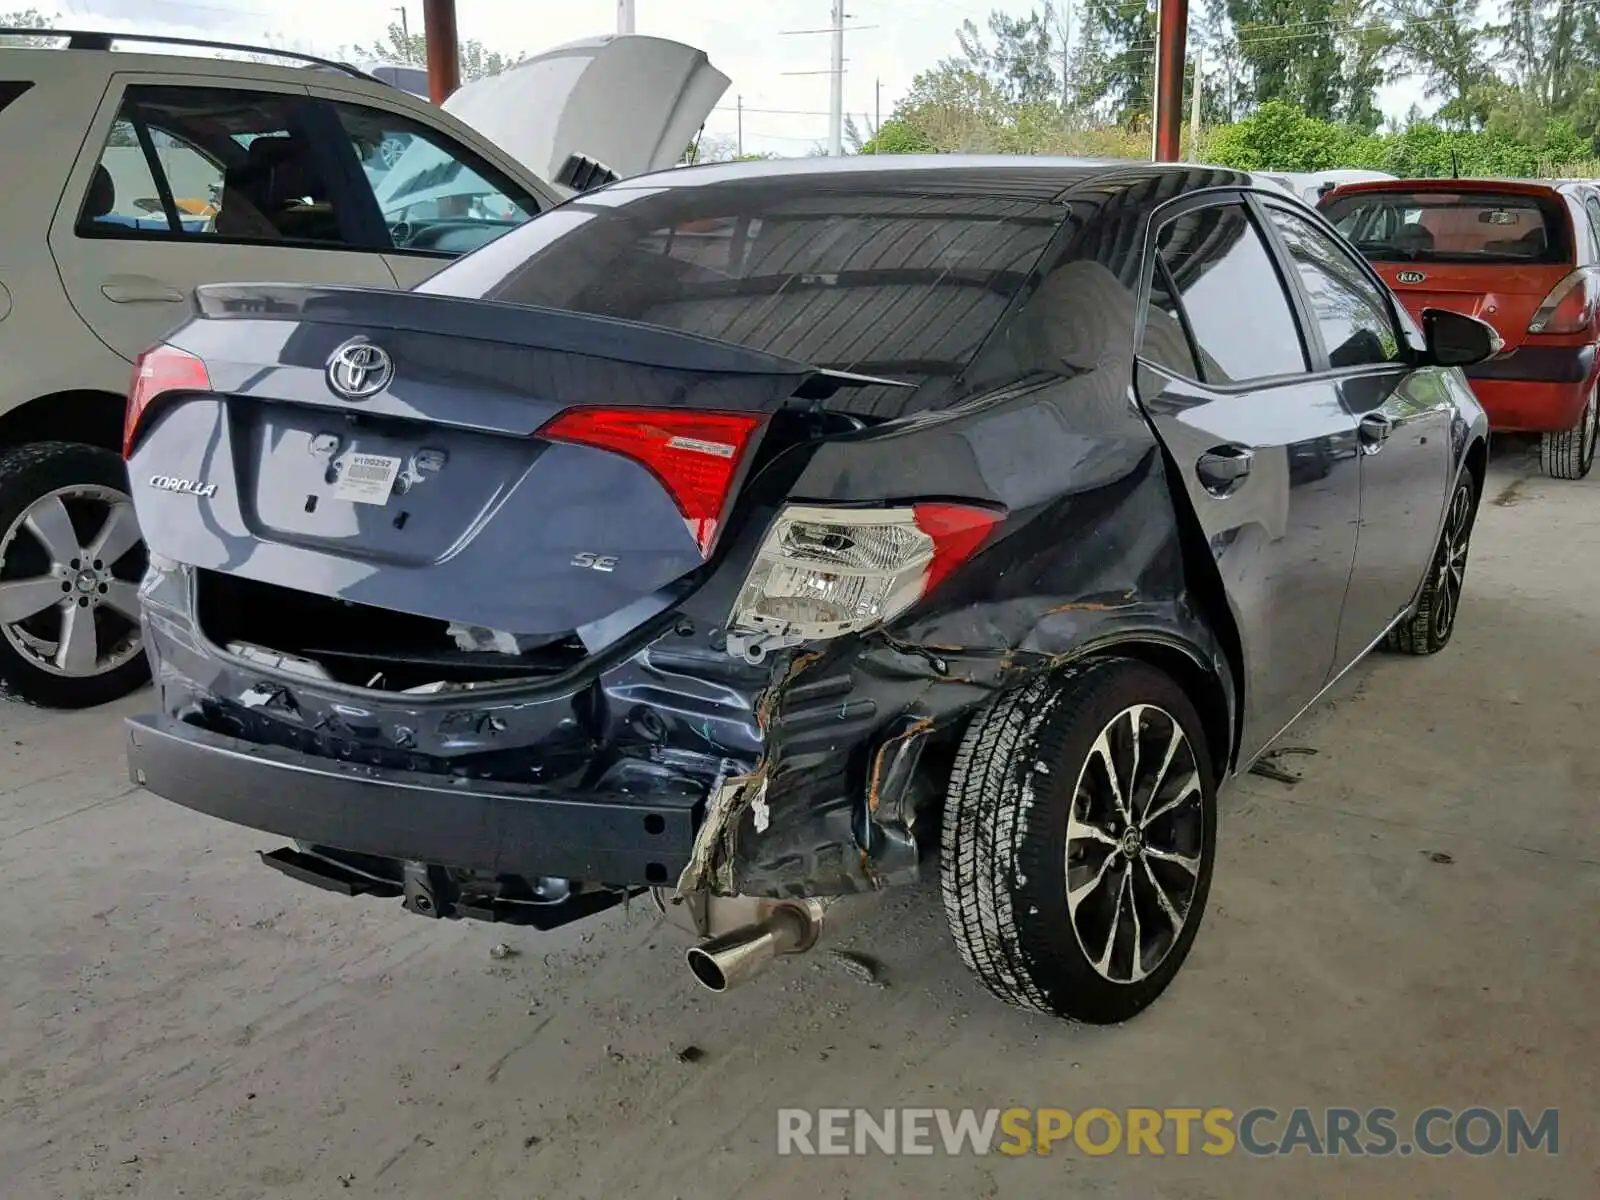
pixel 1413 924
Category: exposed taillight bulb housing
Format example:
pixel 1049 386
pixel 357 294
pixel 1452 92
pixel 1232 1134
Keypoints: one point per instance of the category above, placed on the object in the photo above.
pixel 826 572
pixel 1569 308
pixel 159 370
pixel 696 456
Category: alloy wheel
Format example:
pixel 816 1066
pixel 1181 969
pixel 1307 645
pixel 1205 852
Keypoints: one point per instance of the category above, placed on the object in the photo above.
pixel 1452 568
pixel 69 581
pixel 1134 839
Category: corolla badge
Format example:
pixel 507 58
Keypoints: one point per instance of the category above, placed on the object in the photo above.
pixel 189 487
pixel 359 369
pixel 1409 276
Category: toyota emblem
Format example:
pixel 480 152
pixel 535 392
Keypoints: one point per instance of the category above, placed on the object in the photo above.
pixel 359 369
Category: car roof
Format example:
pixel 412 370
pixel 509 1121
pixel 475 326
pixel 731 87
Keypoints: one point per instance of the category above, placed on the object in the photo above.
pixel 1026 177
pixel 1515 187
pixel 62 66
pixel 80 48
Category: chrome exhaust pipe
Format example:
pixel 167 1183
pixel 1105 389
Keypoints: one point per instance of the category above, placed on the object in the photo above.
pixel 735 957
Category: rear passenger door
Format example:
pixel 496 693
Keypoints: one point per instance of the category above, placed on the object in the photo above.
pixel 1266 451
pixel 168 194
pixel 1403 417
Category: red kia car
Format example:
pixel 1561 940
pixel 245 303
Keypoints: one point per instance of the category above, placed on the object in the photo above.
pixel 1524 257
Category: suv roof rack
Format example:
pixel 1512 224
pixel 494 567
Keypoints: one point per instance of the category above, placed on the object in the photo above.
pixel 100 39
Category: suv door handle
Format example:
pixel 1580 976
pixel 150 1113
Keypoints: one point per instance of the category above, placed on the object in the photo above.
pixel 1373 430
pixel 1223 468
pixel 135 289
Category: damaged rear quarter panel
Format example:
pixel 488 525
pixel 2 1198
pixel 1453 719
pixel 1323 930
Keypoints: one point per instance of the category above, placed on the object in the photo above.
pixel 1090 557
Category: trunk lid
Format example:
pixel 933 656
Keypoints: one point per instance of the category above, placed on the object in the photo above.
pixel 444 490
pixel 628 101
pixel 1505 297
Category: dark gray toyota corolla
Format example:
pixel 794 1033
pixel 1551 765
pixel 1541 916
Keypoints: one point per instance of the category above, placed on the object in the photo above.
pixel 757 534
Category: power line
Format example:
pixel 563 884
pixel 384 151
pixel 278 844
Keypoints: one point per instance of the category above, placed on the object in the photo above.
pixel 835 73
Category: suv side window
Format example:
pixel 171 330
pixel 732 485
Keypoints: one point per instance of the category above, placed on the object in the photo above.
pixel 434 193
pixel 1357 325
pixel 210 164
pixel 1243 325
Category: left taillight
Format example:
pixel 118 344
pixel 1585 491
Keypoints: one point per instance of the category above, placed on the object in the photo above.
pixel 1569 308
pixel 158 371
pixel 696 456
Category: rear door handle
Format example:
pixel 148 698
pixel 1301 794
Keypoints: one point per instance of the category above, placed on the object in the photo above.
pixel 139 289
pixel 1374 431
pixel 1223 468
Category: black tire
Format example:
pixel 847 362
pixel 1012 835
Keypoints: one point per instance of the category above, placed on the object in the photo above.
pixel 28 474
pixel 1427 630
pixel 1026 769
pixel 1570 454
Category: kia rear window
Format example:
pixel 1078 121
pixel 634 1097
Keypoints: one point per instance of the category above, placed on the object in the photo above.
pixel 901 285
pixel 1462 227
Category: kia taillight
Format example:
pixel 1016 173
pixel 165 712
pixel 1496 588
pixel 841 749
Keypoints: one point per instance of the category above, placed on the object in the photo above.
pixel 826 572
pixel 1569 308
pixel 158 371
pixel 695 455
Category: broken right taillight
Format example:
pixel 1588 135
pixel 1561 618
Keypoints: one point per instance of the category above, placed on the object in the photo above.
pixel 158 371
pixel 826 572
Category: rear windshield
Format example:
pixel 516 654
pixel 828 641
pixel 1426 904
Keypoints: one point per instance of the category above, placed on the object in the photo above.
pixel 902 285
pixel 1466 227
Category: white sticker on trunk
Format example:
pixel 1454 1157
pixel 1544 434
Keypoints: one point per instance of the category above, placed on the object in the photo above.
pixel 367 478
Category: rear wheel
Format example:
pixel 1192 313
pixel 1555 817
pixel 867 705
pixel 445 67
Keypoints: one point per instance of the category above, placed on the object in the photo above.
pixel 1079 839
pixel 70 563
pixel 1570 454
pixel 1427 630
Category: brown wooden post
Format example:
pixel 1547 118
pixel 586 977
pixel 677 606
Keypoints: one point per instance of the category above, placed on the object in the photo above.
pixel 444 50
pixel 1172 29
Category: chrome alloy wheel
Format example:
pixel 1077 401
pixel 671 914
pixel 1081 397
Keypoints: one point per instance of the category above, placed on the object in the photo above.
pixel 69 581
pixel 1134 840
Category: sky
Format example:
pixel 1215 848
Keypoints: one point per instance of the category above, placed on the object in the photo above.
pixel 785 110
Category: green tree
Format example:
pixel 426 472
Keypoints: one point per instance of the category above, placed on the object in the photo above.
pixel 28 18
pixel 476 62
pixel 1021 64
pixel 1444 43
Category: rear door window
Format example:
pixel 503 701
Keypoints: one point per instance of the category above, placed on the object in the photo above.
pixel 1352 315
pixel 1244 327
pixel 1396 225
pixel 211 164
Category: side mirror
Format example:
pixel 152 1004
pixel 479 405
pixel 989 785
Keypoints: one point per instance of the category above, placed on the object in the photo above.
pixel 1456 340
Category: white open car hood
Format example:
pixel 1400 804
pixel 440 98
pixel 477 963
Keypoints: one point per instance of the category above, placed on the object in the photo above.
pixel 625 100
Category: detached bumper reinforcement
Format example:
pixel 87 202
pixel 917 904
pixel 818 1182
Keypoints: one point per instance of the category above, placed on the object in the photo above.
pixel 615 839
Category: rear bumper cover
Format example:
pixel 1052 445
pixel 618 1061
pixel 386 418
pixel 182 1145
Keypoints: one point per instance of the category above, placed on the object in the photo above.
pixel 1535 389
pixel 1538 364
pixel 606 779
pixel 495 828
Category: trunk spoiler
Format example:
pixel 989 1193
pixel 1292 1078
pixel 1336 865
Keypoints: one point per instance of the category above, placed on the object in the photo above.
pixel 548 329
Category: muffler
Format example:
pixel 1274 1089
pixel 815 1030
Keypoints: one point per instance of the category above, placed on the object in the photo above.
pixel 735 957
